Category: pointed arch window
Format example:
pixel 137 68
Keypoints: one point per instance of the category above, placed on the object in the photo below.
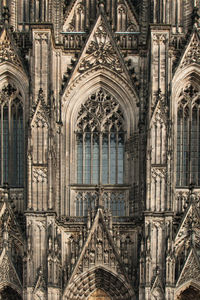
pixel 100 141
pixel 188 137
pixel 12 137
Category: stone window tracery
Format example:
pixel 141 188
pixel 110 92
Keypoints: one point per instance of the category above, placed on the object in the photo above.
pixel 188 137
pixel 12 137
pixel 100 141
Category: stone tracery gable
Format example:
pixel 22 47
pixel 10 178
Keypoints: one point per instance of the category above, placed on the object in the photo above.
pixel 40 112
pixel 190 223
pixel 191 270
pixel 99 249
pixel 100 51
pixel 192 53
pixel 7 271
pixel 7 51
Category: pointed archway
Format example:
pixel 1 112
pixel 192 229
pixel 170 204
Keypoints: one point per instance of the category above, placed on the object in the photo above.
pixel 189 293
pixel 99 294
pixel 99 279
pixel 7 293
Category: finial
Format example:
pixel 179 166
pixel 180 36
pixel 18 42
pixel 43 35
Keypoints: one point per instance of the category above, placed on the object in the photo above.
pixel 101 5
pixel 100 191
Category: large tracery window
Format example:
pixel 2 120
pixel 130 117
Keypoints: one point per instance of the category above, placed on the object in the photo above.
pixel 188 137
pixel 100 141
pixel 12 137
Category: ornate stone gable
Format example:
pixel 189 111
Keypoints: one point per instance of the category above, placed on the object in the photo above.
pixel 40 285
pixel 157 287
pixel 191 269
pixel 8 273
pixel 189 227
pixel 40 112
pixel 99 249
pixel 159 108
pixel 100 51
pixel 7 50
pixel 191 54
pixel 77 10
pixel 7 218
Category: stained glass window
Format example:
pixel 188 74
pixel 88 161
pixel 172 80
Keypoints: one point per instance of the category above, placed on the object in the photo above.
pixel 188 138
pixel 12 137
pixel 100 141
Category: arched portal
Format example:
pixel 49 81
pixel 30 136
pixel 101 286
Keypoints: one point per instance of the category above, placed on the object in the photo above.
pixel 99 294
pixel 7 293
pixel 96 280
pixel 189 293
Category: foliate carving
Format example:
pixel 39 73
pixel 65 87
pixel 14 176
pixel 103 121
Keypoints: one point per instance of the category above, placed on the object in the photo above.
pixel 101 52
pixel 101 111
pixel 41 37
pixel 7 50
pixel 192 55
pixel 159 38
pixel 158 172
pixel 40 174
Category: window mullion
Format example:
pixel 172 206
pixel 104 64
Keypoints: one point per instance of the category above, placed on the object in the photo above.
pixel 100 157
pixel 91 158
pixel 10 143
pixel 109 157
pixel 83 175
pixel 198 147
pixel 189 146
pixel 1 145
pixel 116 178
pixel 182 150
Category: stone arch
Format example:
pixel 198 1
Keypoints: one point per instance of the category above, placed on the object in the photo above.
pixel 189 290
pixel 74 96
pixel 8 288
pixel 99 278
pixel 16 76
pixel 84 85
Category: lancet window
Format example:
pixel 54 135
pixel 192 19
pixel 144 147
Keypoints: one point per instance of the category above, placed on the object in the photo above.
pixel 188 137
pixel 12 137
pixel 100 140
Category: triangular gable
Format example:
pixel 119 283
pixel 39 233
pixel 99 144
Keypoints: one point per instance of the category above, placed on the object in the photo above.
pixel 157 287
pixel 8 52
pixel 191 269
pixel 100 51
pixel 8 273
pixel 191 215
pixel 97 250
pixel 69 23
pixel 40 111
pixel 40 285
pixel 159 111
pixel 132 22
pixel 191 55
pixel 6 213
pixel 69 19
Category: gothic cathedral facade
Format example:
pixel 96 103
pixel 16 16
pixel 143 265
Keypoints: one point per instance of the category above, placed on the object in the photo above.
pixel 100 149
